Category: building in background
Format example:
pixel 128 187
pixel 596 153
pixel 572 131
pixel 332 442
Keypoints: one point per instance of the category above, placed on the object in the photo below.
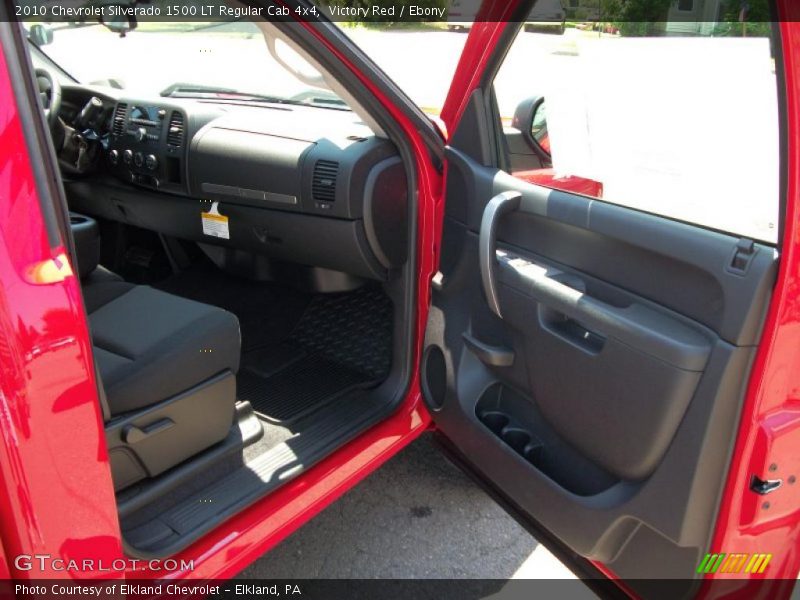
pixel 693 17
pixel 582 10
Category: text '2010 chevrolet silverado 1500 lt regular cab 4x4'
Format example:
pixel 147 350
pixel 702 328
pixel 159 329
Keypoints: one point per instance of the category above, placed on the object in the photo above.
pixel 229 295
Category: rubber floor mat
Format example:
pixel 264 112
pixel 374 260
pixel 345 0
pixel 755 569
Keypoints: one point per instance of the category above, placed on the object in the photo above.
pixel 341 343
pixel 304 385
pixel 353 329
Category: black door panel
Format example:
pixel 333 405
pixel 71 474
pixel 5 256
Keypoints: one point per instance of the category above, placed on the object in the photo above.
pixel 680 266
pixel 604 400
pixel 601 374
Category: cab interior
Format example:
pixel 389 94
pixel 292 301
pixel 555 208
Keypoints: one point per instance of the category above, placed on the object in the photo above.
pixel 247 269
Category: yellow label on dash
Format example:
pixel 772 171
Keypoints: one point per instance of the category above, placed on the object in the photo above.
pixel 221 218
pixel 215 224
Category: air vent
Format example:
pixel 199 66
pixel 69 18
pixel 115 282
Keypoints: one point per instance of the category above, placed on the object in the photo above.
pixel 120 114
pixel 175 135
pixel 323 184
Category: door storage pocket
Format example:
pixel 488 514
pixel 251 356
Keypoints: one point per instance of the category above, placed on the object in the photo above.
pixel 516 421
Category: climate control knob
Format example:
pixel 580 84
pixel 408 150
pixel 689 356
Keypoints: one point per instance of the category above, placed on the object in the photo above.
pixel 113 157
pixel 127 157
pixel 138 159
pixel 151 162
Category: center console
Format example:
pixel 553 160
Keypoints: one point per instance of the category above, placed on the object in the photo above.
pixel 86 234
pixel 147 146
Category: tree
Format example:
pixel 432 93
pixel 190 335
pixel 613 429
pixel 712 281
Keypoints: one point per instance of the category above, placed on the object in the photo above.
pixel 750 18
pixel 635 17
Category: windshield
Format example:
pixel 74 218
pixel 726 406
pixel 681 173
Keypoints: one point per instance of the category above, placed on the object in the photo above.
pixel 187 59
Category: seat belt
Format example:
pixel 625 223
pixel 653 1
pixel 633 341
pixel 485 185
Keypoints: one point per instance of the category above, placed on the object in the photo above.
pixel 101 395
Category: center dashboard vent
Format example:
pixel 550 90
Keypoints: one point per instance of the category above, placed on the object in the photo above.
pixel 323 183
pixel 175 132
pixel 120 115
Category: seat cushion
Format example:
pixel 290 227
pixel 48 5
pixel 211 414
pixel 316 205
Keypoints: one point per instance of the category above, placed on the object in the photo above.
pixel 100 287
pixel 150 345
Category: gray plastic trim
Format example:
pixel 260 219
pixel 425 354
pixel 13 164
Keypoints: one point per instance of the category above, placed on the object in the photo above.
pixel 502 204
pixel 369 214
pixel 237 192
pixel 186 521
pixel 246 429
pixel 495 356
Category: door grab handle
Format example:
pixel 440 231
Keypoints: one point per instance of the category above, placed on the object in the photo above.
pixel 502 204
pixel 494 356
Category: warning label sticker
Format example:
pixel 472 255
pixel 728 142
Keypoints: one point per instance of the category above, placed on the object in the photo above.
pixel 215 224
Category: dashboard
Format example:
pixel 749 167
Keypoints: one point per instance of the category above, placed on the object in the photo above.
pixel 298 184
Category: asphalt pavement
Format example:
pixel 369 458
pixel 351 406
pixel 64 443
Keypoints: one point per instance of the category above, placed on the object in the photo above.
pixel 417 517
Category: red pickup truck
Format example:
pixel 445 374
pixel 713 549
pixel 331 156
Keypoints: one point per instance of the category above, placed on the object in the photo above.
pixel 220 311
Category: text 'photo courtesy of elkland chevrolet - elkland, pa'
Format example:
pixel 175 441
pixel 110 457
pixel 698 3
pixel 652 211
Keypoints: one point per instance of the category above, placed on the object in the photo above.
pixel 451 299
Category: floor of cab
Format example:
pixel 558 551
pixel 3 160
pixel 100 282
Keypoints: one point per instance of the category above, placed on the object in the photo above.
pixel 309 363
pixel 299 351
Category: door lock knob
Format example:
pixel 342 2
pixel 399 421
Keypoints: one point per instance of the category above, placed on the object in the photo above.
pixel 764 486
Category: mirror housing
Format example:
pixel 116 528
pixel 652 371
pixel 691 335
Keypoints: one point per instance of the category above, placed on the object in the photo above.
pixel 41 35
pixel 523 114
pixel 523 118
pixel 120 23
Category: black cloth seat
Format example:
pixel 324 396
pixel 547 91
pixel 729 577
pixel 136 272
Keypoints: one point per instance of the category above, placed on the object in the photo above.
pixel 166 366
pixel 150 345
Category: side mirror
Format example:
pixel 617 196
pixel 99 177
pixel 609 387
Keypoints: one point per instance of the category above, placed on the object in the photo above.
pixel 120 23
pixel 530 117
pixel 40 35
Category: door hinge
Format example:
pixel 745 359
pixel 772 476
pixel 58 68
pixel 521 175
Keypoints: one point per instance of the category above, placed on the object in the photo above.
pixel 764 486
pixel 742 256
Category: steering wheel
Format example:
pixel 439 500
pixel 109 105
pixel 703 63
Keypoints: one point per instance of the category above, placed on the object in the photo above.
pixel 49 95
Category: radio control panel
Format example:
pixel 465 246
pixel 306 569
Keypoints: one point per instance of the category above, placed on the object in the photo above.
pixel 148 146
